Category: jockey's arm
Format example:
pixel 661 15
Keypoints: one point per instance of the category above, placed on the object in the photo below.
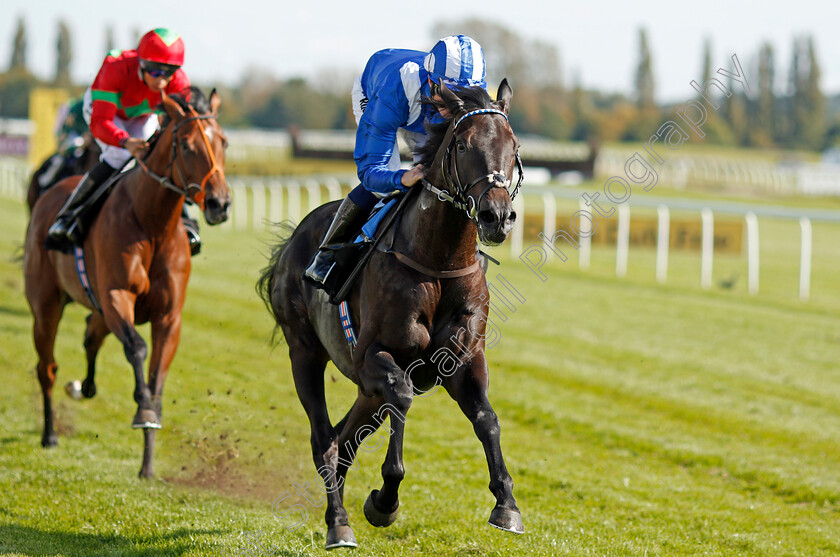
pixel 105 93
pixel 375 142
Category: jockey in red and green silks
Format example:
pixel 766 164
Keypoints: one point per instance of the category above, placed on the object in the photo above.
pixel 119 104
pixel 119 109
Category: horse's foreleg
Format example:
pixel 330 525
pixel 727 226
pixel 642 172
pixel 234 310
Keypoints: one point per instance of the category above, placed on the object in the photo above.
pixel 119 316
pixel 95 335
pixel 357 425
pixel 166 332
pixel 384 377
pixel 469 390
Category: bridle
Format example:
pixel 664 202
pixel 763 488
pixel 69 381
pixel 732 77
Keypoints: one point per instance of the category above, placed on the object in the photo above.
pixel 192 191
pixel 459 197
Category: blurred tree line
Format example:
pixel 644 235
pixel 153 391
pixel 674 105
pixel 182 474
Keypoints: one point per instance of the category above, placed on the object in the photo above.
pixel 776 112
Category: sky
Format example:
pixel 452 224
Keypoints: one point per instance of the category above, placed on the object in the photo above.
pixel 597 41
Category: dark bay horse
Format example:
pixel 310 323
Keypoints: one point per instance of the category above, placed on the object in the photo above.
pixel 137 257
pixel 420 309
pixel 75 166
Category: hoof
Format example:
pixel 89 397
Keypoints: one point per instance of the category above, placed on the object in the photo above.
pixel 49 441
pixel 88 388
pixel 340 536
pixel 145 419
pixel 507 519
pixel 375 516
pixel 74 390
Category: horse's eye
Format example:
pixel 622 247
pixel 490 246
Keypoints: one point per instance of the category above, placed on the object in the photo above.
pixel 185 145
pixel 461 147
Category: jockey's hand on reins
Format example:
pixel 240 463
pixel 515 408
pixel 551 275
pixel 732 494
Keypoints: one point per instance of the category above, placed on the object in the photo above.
pixel 136 146
pixel 413 176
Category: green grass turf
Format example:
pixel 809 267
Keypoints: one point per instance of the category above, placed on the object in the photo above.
pixel 637 419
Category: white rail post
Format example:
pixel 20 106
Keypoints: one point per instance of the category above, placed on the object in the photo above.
pixel 585 252
pixel 707 248
pixel 293 189
pixel 622 247
pixel 313 193
pixel 663 241
pixel 5 180
pixel 333 188
pixel 517 235
pixel 752 251
pixel 240 205
pixel 549 220
pixel 275 203
pixel 257 205
pixel 805 260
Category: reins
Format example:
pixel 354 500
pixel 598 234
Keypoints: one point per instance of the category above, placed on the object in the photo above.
pixel 460 200
pixel 188 190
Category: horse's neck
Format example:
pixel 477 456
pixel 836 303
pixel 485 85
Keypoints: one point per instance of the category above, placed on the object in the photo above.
pixel 156 207
pixel 437 234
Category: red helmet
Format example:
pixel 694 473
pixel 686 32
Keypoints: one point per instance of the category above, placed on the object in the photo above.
pixel 163 46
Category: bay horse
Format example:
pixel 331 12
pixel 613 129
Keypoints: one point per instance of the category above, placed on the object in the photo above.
pixel 422 301
pixel 137 258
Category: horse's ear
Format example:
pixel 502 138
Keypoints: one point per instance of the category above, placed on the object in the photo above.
pixel 215 101
pixel 450 99
pixel 172 108
pixel 504 95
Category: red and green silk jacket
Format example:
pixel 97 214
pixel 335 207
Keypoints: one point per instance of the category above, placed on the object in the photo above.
pixel 119 90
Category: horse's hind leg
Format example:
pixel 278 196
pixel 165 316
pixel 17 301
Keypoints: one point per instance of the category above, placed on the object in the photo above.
pixel 469 390
pixel 308 363
pixel 95 335
pixel 46 310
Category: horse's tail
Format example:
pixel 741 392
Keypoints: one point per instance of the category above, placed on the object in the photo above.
pixel 265 284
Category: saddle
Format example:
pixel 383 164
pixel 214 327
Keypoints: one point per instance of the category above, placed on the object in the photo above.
pixel 350 258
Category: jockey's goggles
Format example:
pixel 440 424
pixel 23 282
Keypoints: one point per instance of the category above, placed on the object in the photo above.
pixel 434 84
pixel 157 69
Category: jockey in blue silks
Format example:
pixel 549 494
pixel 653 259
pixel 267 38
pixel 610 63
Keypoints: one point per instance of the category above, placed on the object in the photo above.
pixel 387 100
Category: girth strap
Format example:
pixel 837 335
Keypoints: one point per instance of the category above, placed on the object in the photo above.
pixel 412 264
pixel 81 269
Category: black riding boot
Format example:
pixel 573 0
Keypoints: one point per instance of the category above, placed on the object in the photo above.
pixel 64 226
pixel 191 225
pixel 347 220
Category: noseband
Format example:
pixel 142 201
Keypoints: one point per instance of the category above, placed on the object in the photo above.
pixel 193 192
pixel 460 199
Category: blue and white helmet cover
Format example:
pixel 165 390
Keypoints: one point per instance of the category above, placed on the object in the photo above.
pixel 457 60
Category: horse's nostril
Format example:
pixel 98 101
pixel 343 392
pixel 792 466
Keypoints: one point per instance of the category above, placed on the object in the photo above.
pixel 512 216
pixel 488 217
pixel 216 205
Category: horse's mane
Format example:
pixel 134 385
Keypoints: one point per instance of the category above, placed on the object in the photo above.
pixel 473 98
pixel 191 96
